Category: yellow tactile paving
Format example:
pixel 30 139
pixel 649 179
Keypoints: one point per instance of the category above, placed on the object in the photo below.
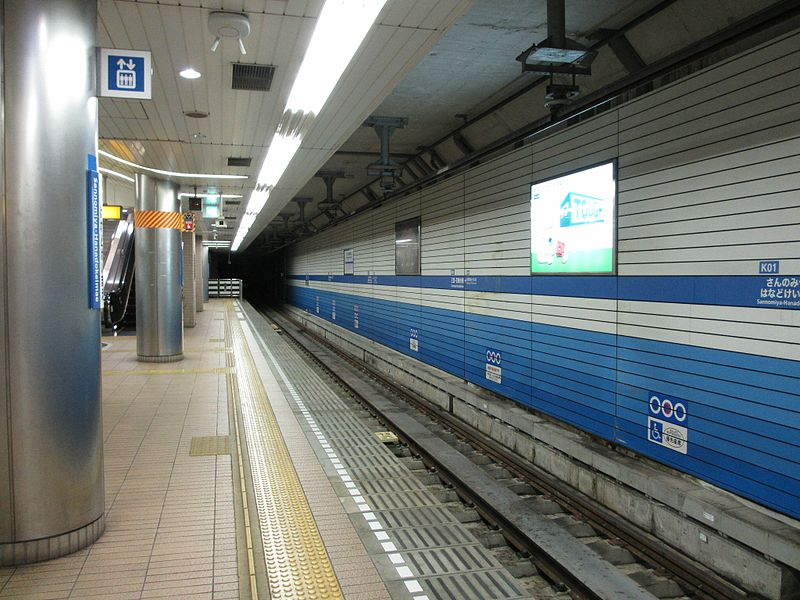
pixel 298 566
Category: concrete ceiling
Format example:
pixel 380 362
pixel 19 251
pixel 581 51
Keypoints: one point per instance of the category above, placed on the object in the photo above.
pixel 443 64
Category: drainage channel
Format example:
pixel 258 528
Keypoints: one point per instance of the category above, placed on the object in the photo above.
pixel 575 544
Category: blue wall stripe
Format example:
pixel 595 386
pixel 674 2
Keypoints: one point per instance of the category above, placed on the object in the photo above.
pixel 717 290
pixel 688 365
pixel 743 410
pixel 748 362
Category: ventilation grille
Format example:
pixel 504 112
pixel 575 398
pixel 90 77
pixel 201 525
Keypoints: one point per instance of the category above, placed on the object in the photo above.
pixel 252 77
pixel 234 161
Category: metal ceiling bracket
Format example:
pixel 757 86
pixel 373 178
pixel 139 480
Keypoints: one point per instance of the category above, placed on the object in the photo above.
pixel 556 56
pixel 462 143
pixel 424 167
pixel 330 203
pixel 386 168
pixel 369 194
pixel 626 54
pixel 301 206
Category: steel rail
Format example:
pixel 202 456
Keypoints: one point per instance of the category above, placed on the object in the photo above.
pixel 696 579
pixel 550 568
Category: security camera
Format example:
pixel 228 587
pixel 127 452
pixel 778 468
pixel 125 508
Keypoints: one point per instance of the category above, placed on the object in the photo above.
pixel 559 94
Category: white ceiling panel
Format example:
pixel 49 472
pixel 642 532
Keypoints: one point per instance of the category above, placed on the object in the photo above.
pixel 427 60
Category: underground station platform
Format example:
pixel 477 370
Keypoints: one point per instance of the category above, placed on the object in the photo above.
pixel 263 465
pixel 239 472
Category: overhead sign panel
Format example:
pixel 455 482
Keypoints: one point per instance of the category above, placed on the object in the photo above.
pixel 112 211
pixel 572 222
pixel 125 74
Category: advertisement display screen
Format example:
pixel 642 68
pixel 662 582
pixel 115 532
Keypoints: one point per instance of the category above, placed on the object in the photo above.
pixel 573 222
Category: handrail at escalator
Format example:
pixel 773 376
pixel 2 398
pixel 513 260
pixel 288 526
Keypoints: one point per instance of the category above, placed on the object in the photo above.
pixel 119 274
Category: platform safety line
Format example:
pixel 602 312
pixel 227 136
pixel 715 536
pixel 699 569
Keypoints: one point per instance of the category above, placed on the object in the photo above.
pixel 215 371
pixel 412 584
pixel 298 565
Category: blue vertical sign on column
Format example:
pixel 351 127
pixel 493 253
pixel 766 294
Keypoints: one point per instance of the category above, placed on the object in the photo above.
pixel 93 239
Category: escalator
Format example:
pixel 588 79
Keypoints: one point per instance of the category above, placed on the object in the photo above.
pixel 119 289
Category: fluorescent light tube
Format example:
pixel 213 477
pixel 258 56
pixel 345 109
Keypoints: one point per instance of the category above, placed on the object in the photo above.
pixel 340 30
pixel 279 155
pixel 169 173
pixel 116 174
pixel 341 27
pixel 257 201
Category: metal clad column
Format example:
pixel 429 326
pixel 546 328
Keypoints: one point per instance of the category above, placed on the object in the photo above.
pixel 189 319
pixel 198 274
pixel 51 445
pixel 159 315
pixel 206 274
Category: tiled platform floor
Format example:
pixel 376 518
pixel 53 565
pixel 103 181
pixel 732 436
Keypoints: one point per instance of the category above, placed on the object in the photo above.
pixel 170 529
pixel 170 516
pixel 172 522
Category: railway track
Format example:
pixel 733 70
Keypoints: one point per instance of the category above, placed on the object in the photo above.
pixel 580 548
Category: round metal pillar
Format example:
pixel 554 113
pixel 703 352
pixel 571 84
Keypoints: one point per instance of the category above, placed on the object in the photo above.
pixel 159 308
pixel 51 444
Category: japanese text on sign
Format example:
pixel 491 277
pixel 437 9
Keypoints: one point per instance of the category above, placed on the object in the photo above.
pixel 667 422
pixel 780 292
pixel 494 372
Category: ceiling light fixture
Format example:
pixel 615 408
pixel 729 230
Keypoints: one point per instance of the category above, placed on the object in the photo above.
pixel 116 174
pixel 169 173
pixel 190 73
pixel 340 30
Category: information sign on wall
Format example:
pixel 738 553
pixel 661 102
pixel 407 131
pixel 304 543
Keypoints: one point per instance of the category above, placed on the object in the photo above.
pixel 573 222
pixel 355 316
pixel 769 267
pixel 125 74
pixel 349 261
pixel 667 422
pixel 413 340
pixel 494 372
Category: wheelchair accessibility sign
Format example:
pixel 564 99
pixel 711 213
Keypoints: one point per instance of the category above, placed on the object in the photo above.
pixel 667 422
pixel 125 74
